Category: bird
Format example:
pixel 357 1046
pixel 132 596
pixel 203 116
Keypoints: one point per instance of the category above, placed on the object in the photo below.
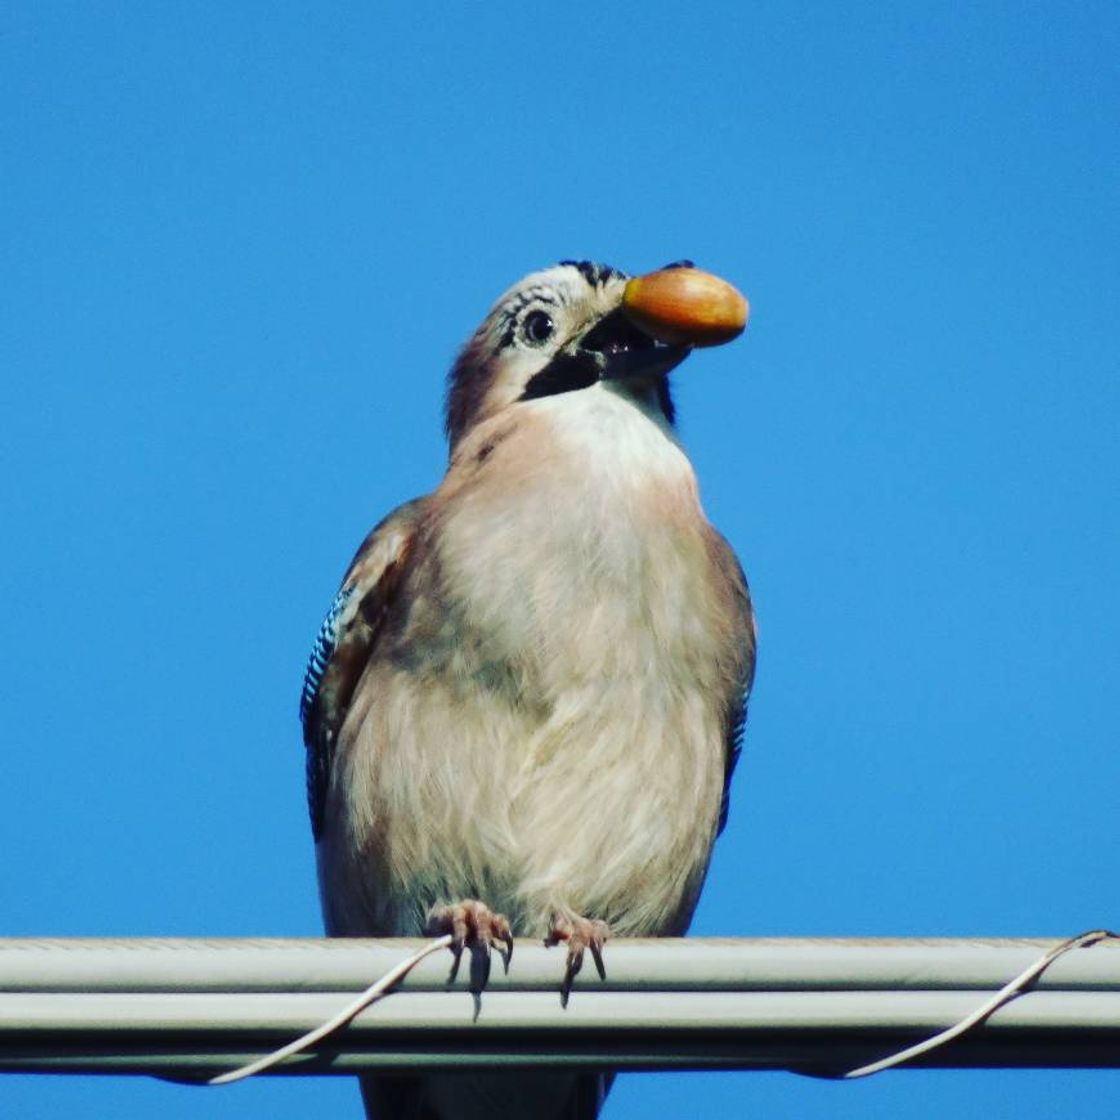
pixel 524 707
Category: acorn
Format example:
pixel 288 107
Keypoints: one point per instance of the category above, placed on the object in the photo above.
pixel 685 307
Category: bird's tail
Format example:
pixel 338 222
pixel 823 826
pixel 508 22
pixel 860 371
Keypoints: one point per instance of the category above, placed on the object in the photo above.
pixel 486 1096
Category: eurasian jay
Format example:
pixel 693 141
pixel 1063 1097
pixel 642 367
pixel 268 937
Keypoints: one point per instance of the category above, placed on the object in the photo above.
pixel 524 708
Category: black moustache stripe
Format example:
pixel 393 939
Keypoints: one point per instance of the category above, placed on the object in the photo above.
pixel 565 373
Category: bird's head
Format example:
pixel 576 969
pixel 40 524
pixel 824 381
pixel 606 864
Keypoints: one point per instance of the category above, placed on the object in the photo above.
pixel 561 330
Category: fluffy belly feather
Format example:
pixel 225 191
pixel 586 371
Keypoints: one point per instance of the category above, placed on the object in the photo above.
pixel 540 731
pixel 444 803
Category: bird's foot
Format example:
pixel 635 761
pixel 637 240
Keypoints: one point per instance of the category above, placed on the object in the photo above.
pixel 473 925
pixel 581 934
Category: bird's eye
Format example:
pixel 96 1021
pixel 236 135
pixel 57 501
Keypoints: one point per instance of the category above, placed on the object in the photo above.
pixel 537 327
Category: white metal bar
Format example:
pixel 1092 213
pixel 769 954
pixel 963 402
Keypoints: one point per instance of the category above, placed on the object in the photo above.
pixel 186 1008
pixel 662 964
pixel 416 1013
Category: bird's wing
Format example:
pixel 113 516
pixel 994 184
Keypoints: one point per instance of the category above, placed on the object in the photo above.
pixel 741 675
pixel 345 640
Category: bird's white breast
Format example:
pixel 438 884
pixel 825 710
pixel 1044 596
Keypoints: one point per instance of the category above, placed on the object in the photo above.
pixel 587 522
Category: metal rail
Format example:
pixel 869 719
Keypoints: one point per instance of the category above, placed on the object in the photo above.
pixel 190 1008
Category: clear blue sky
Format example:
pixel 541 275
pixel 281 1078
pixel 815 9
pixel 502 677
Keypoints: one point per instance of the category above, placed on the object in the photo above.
pixel 240 249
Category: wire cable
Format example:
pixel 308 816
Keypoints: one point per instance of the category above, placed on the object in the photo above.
pixel 1007 993
pixel 336 1022
pixel 383 984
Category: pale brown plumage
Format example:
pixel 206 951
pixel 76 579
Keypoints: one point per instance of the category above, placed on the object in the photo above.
pixel 537 684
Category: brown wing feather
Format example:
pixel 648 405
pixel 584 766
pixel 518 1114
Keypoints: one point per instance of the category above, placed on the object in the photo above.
pixel 344 645
pixel 741 676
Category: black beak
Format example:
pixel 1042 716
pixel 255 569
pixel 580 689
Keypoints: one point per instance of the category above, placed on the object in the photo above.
pixel 612 350
pixel 620 350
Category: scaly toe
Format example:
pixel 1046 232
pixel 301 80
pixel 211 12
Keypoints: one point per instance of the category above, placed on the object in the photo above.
pixel 472 925
pixel 581 934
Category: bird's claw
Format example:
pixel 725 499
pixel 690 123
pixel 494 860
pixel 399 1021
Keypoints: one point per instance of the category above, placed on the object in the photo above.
pixel 472 924
pixel 581 934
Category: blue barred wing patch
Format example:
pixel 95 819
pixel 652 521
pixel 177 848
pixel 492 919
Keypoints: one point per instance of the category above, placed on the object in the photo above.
pixel 325 642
